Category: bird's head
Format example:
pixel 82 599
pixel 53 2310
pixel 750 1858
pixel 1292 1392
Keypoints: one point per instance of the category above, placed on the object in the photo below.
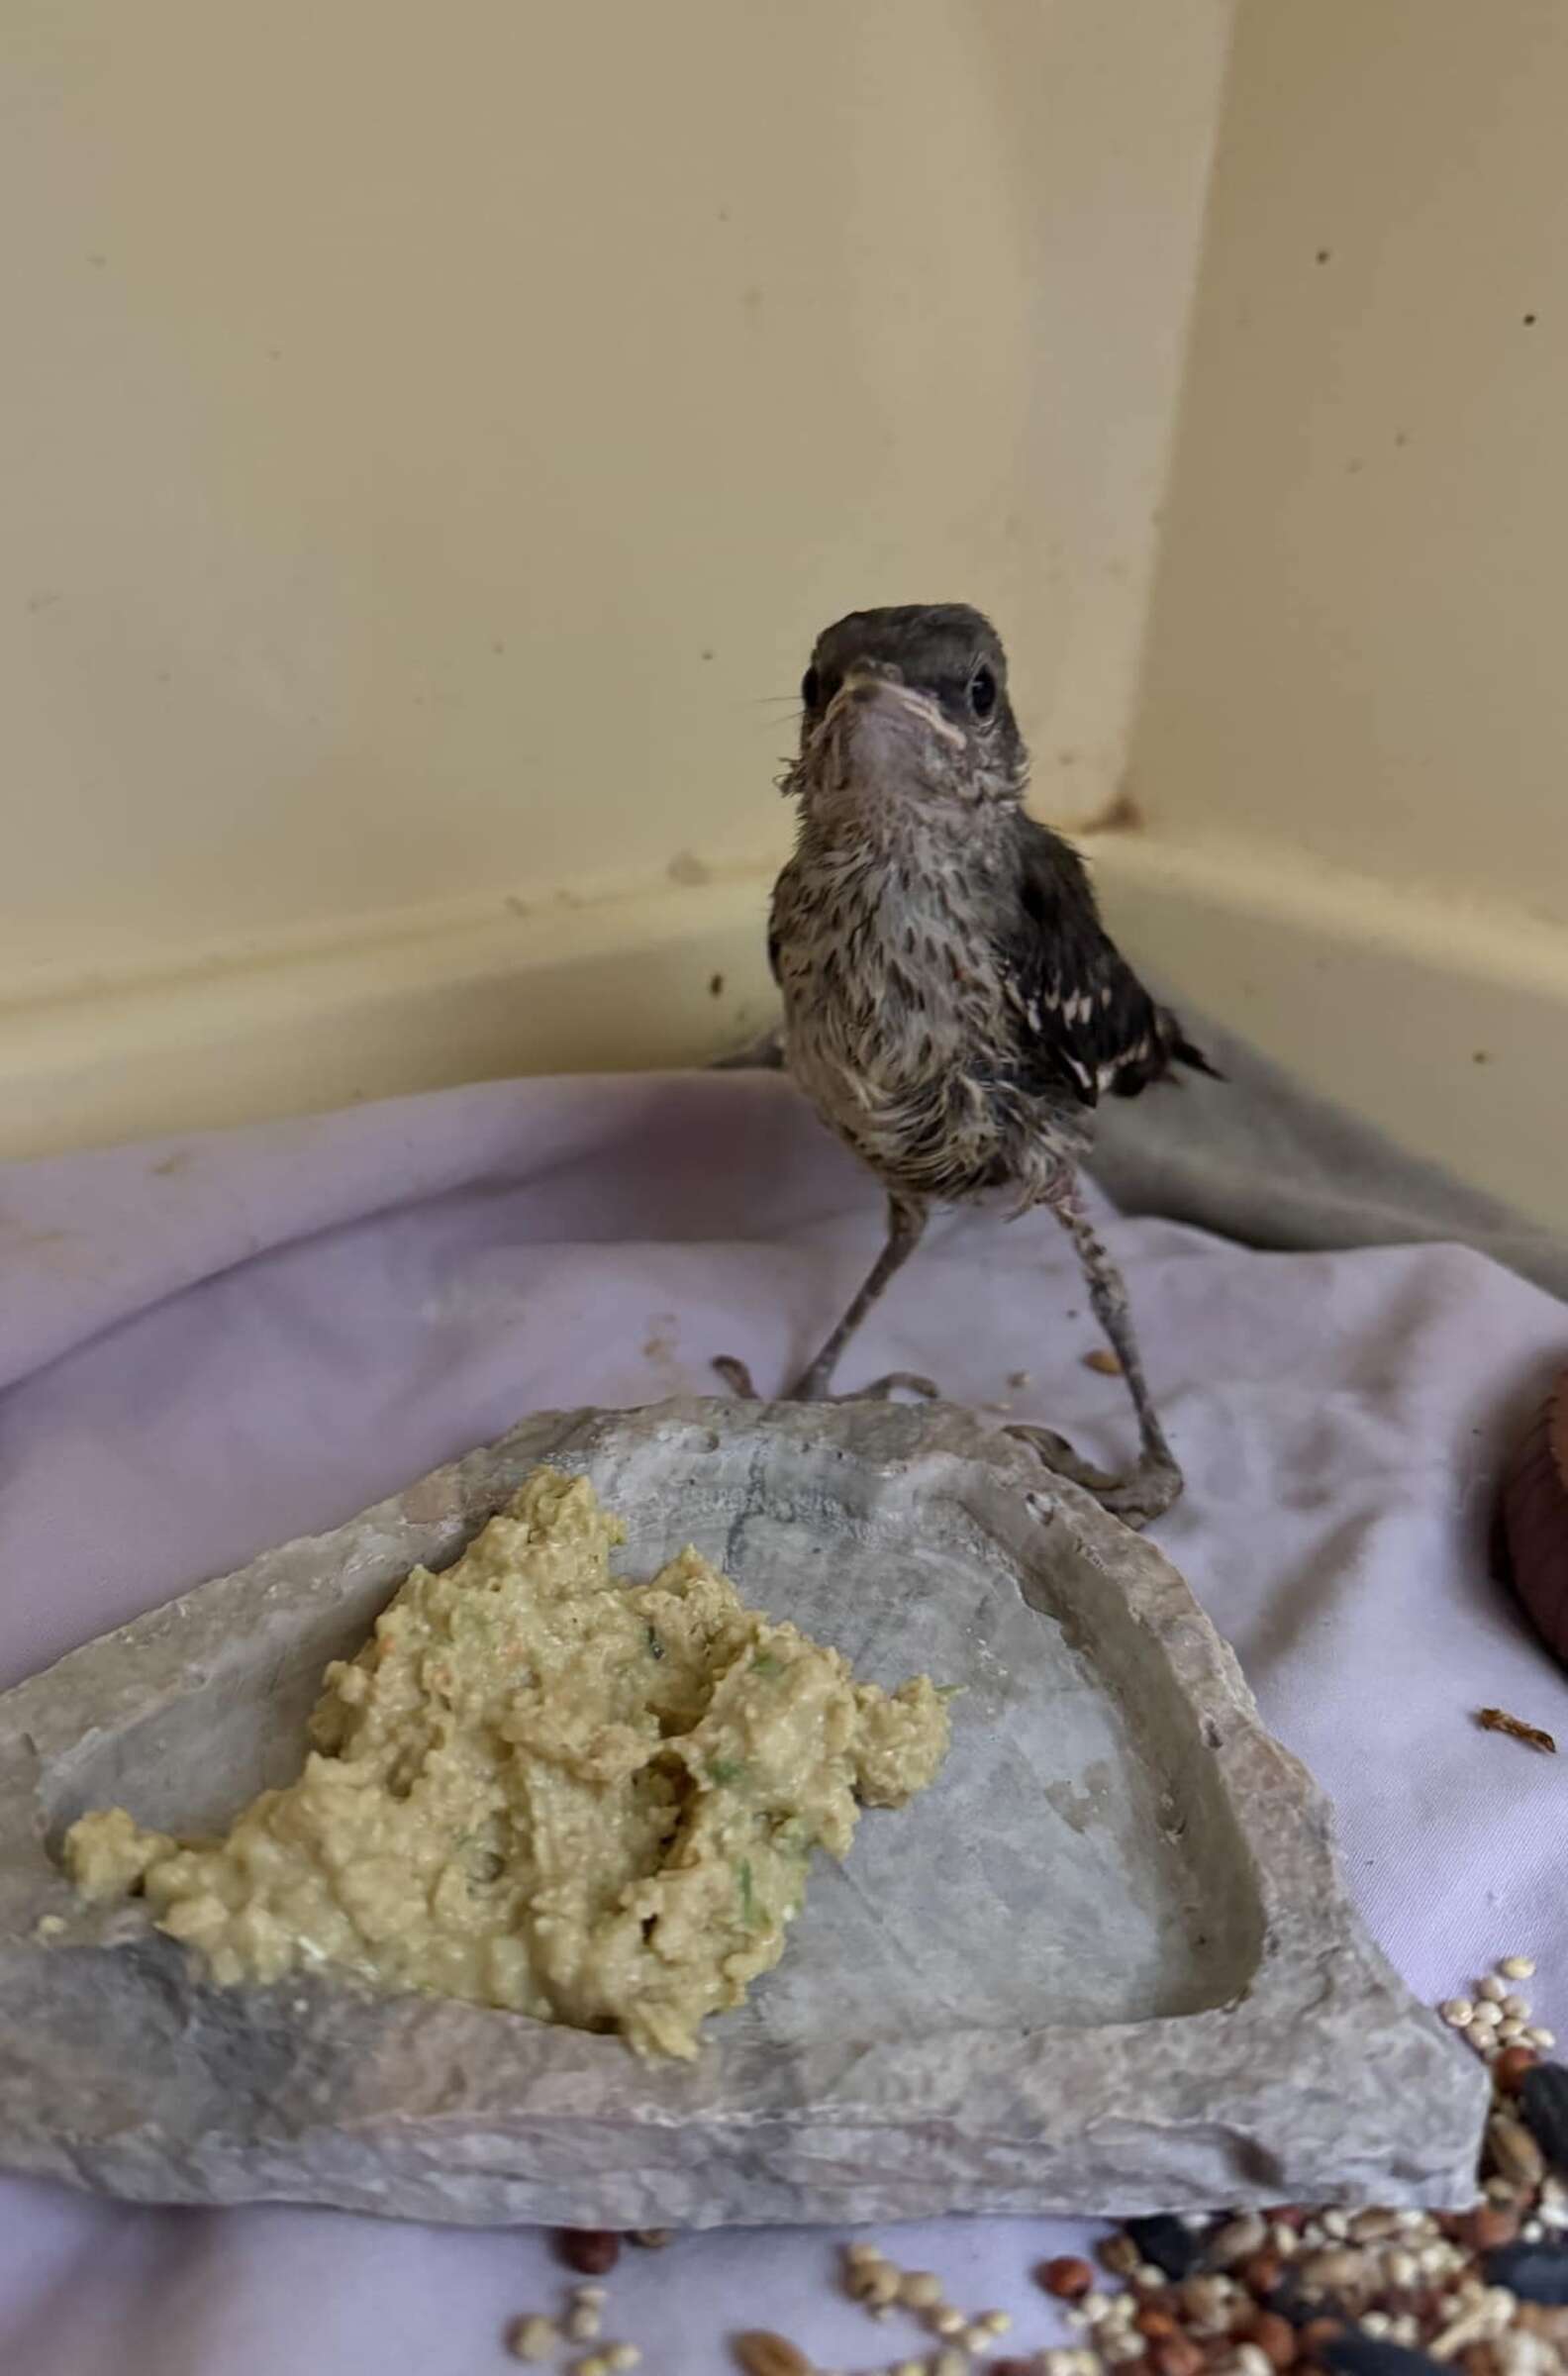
pixel 907 705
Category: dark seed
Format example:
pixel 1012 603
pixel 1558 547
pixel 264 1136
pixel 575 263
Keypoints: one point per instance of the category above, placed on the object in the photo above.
pixel 1543 2102
pixel 1357 2354
pixel 588 2251
pixel 1535 2272
pixel 1167 2244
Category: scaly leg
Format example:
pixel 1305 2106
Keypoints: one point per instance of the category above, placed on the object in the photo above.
pixel 1149 1489
pixel 906 1228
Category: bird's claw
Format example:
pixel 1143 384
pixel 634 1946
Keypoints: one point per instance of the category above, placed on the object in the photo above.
pixel 738 1378
pixel 1142 1495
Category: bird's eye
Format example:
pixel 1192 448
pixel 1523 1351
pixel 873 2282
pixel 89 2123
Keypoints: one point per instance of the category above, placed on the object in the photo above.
pixel 810 686
pixel 982 691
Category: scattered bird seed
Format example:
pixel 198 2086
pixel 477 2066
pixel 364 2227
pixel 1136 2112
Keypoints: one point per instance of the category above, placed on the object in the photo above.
pixel 1458 2013
pixel 761 2353
pixel 584 2324
pixel 1498 1719
pixel 622 2358
pixel 918 2289
pixel 591 2251
pixel 1518 1967
pixel 1492 1989
pixel 533 2337
pixel 1069 2278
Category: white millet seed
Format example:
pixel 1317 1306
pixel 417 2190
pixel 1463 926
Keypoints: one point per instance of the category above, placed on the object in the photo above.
pixel 1251 2359
pixel 948 2322
pixel 920 2289
pixel 910 2367
pixel 1516 2008
pixel 1518 1967
pixel 1123 2349
pixel 589 2293
pixel 1401 2268
pixel 863 2257
pixel 1070 2318
pixel 1508 2032
pixel 622 2358
pixel 1531 2233
pixel 1149 2279
pixel 532 2339
pixel 1406 2331
pixel 585 2324
pixel 1458 2013
pixel 996 2321
pixel 1057 2363
pixel 1487 2014
pixel 975 2339
pixel 1376 2322
pixel 1337 2225
pixel 596 2364
pixel 1542 2039
pixel 950 2363
pixel 1285 2240
pixel 1490 1990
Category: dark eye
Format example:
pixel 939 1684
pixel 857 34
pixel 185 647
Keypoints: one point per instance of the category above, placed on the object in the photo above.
pixel 810 686
pixel 982 691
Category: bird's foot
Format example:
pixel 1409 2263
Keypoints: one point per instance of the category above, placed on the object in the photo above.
pixel 1145 1493
pixel 811 1389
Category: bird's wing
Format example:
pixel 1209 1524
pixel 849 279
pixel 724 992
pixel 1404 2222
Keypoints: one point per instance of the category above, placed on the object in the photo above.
pixel 1088 1024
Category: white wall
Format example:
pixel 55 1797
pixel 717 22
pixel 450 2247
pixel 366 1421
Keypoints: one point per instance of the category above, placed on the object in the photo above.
pixel 441 433
pixel 1352 750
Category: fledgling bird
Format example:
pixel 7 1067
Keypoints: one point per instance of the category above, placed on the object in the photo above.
pixel 952 1004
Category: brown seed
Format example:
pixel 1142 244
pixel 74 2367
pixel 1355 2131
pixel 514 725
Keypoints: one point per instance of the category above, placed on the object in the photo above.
pixel 1178 2355
pixel 1514 2153
pixel 1104 1362
pixel 1120 2254
pixel 1069 2279
pixel 1488 2226
pixel 590 2251
pixel 764 2354
pixel 1156 2323
pixel 1319 2331
pixel 1274 2336
pixel 1333 2268
pixel 652 2239
pixel 1261 2274
pixel 1370 2227
pixel 1013 2367
pixel 1511 2068
pixel 1205 2301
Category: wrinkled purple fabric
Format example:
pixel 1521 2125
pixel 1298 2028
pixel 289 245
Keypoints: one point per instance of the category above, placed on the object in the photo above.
pixel 211 1345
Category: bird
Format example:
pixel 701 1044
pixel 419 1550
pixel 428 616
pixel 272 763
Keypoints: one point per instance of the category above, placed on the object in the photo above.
pixel 952 1004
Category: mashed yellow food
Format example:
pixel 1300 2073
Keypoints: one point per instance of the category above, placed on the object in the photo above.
pixel 540 1788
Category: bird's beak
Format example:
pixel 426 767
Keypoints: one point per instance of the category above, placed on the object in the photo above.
pixel 867 688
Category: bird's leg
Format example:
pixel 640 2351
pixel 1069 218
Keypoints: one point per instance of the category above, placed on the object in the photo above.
pixel 1150 1488
pixel 906 1227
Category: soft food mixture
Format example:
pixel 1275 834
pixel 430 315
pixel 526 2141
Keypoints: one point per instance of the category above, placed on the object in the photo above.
pixel 540 1788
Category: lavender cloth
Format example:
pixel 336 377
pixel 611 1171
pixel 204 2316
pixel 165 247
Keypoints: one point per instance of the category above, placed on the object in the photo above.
pixel 209 1346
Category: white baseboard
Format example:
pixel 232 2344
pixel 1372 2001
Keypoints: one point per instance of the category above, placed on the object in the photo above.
pixel 1448 1027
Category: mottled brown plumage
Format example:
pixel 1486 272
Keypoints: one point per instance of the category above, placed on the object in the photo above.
pixel 952 1003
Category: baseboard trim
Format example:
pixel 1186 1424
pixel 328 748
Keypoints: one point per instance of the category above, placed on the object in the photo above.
pixel 1445 1026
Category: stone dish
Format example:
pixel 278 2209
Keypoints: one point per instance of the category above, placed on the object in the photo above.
pixel 1104 1966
